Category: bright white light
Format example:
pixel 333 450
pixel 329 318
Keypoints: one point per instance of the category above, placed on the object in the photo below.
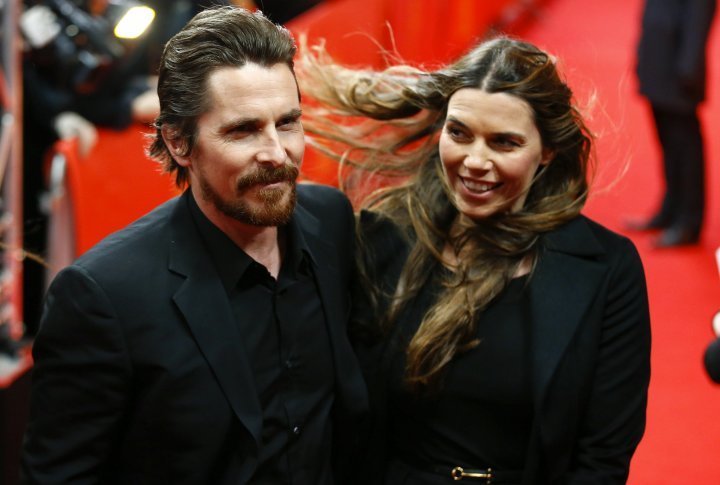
pixel 134 22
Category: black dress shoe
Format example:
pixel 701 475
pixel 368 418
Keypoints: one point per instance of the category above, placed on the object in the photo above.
pixel 655 223
pixel 677 236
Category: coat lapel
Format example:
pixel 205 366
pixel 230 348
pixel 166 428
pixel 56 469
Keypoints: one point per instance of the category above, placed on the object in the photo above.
pixel 332 289
pixel 565 283
pixel 564 286
pixel 203 303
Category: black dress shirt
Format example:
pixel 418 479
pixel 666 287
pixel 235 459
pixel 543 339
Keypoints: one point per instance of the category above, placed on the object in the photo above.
pixel 285 337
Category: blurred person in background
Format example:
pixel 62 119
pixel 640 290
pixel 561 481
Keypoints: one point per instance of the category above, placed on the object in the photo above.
pixel 671 69
pixel 69 88
pixel 711 358
pixel 78 76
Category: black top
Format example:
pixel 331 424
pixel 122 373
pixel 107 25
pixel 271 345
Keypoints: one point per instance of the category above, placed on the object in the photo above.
pixel 481 416
pixel 289 352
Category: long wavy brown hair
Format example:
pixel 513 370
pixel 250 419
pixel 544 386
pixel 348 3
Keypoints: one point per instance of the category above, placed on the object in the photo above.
pixel 383 126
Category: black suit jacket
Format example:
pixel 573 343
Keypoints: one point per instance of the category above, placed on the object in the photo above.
pixel 140 375
pixel 671 57
pixel 590 347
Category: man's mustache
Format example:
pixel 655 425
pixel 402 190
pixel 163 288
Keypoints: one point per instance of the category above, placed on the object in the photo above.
pixel 269 175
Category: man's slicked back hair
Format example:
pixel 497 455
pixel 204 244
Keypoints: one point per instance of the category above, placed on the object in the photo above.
pixel 213 39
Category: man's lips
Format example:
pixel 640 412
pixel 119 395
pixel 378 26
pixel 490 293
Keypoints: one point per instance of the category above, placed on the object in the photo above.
pixel 269 177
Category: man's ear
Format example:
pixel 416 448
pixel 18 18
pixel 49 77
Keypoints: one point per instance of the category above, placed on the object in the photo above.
pixel 176 145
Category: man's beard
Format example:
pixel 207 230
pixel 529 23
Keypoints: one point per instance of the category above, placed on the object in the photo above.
pixel 276 204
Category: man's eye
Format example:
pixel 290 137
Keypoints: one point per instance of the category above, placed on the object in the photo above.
pixel 242 130
pixel 288 123
pixel 455 133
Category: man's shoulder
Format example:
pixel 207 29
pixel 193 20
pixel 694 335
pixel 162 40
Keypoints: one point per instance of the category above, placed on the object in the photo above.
pixel 141 237
pixel 323 201
pixel 313 194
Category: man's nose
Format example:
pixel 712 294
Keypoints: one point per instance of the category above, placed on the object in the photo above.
pixel 272 150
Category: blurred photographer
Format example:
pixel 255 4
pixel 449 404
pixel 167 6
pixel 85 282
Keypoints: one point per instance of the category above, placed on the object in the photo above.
pixel 77 74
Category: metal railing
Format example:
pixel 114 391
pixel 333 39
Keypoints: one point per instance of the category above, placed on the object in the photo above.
pixel 11 217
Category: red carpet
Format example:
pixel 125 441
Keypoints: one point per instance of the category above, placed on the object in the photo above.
pixel 595 42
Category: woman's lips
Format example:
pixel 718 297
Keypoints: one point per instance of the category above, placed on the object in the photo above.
pixel 479 187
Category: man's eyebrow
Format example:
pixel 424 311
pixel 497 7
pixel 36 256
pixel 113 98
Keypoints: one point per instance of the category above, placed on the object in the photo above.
pixel 293 114
pixel 252 123
pixel 452 119
pixel 240 124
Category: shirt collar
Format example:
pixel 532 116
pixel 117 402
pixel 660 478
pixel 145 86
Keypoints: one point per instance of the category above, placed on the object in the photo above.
pixel 231 262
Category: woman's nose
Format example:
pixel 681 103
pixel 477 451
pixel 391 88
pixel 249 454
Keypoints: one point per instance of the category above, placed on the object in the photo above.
pixel 479 157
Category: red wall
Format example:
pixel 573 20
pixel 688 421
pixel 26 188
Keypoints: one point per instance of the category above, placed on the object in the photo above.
pixel 422 30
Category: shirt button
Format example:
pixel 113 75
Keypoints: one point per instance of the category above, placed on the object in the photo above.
pixel 296 430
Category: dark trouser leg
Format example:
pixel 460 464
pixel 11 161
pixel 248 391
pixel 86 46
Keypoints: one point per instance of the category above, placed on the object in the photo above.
pixel 680 136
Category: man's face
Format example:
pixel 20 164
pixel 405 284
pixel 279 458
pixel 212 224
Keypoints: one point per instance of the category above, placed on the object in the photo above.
pixel 249 146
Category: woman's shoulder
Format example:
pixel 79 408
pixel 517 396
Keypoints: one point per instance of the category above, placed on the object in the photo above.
pixel 319 198
pixel 583 231
pixel 383 244
pixel 586 237
pixel 612 241
pixel 604 234
pixel 378 230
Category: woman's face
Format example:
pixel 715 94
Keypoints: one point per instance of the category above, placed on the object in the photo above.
pixel 491 150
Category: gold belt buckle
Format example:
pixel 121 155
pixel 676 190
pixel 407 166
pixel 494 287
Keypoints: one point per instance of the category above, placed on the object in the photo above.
pixel 458 473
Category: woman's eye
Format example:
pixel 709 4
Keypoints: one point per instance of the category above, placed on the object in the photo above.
pixel 507 143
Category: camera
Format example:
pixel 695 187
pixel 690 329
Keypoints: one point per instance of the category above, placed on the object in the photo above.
pixel 77 43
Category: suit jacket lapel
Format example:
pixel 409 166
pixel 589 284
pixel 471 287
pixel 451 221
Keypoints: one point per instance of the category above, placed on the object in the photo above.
pixel 326 267
pixel 203 302
pixel 563 287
